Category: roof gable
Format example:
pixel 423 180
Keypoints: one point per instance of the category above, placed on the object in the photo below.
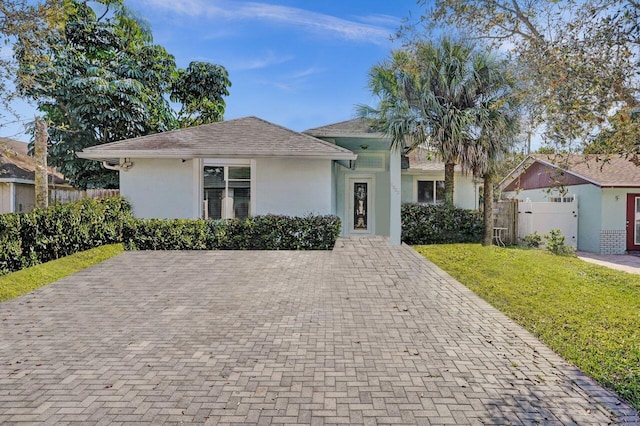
pixel 544 171
pixel 356 128
pixel 15 164
pixel 539 175
pixel 247 137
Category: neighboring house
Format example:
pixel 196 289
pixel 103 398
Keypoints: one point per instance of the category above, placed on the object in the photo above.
pixel 17 177
pixel 249 166
pixel 608 195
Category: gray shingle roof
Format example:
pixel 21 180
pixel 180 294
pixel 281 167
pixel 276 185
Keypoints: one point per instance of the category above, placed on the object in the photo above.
pixel 603 171
pixel 15 164
pixel 357 127
pixel 248 137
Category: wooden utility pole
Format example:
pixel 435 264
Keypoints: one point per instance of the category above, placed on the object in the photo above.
pixel 40 152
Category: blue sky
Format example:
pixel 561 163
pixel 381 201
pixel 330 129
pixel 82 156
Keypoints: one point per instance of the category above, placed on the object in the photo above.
pixel 300 64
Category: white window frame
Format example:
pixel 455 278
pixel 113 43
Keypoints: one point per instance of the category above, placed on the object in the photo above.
pixel 198 171
pixel 425 178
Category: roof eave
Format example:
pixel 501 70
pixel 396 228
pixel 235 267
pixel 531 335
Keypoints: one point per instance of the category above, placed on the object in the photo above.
pixel 115 156
pixel 338 134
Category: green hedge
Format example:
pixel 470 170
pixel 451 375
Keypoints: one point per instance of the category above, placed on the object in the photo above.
pixel 269 232
pixel 46 234
pixel 439 224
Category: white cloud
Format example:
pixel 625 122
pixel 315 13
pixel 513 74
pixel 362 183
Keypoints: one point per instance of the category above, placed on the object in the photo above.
pixel 297 80
pixel 268 59
pixel 382 20
pixel 310 21
pixel 306 73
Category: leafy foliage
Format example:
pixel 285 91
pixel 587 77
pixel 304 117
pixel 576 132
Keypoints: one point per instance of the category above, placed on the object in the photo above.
pixel 450 95
pixel 533 240
pixel 621 135
pixel 269 232
pixel 589 314
pixel 99 78
pixel 576 61
pixel 200 89
pixel 555 243
pixel 45 234
pixel 439 224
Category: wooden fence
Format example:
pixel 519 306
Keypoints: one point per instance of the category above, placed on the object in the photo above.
pixel 64 196
pixel 505 215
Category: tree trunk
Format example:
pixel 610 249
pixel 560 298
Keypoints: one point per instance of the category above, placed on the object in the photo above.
pixel 448 183
pixel 41 177
pixel 487 240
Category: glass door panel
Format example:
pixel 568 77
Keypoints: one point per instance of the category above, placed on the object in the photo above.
pixel 360 206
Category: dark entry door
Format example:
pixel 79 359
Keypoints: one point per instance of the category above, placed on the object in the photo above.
pixel 633 221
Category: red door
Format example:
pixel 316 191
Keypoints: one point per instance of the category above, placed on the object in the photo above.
pixel 633 221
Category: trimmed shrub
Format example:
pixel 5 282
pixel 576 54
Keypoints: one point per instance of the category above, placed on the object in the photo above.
pixel 10 243
pixel 440 224
pixel 269 232
pixel 46 234
pixel 165 234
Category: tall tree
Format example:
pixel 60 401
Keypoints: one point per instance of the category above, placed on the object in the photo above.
pixel 98 77
pixel 437 94
pixel 498 127
pixel 578 60
pixel 200 88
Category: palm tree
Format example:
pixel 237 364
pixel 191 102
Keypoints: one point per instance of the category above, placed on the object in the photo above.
pixel 499 127
pixel 436 95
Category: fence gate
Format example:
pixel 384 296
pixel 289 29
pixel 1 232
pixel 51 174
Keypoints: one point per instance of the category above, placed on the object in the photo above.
pixel 505 215
pixel 541 217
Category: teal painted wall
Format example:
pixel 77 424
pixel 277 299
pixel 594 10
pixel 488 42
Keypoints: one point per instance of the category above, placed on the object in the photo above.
pixel 381 195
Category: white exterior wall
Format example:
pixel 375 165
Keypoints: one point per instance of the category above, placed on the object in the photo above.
pixel 293 187
pixel 465 192
pixel 5 197
pixel 25 197
pixel 160 188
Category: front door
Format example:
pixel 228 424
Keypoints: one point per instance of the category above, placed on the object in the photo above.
pixel 360 215
pixel 633 222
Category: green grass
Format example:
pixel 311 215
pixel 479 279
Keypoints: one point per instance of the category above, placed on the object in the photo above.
pixel 588 314
pixel 22 282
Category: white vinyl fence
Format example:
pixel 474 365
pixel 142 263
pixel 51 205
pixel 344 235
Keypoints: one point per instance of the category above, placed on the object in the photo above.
pixel 541 217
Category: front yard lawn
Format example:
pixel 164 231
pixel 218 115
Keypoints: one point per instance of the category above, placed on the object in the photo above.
pixel 21 282
pixel 589 314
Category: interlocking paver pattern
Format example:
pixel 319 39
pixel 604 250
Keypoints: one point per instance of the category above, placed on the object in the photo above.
pixel 366 334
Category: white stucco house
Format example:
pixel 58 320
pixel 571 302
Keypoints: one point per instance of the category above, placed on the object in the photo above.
pixel 607 192
pixel 248 166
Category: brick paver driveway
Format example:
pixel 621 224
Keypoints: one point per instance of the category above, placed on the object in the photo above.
pixel 364 334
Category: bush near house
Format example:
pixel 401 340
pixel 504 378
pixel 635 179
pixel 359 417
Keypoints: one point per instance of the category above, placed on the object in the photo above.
pixel 440 224
pixel 45 234
pixel 269 232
